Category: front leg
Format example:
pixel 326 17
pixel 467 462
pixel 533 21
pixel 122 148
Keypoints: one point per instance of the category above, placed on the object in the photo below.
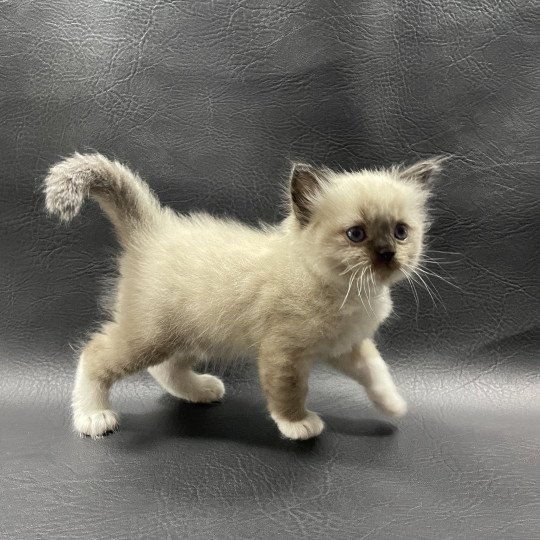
pixel 284 379
pixel 365 365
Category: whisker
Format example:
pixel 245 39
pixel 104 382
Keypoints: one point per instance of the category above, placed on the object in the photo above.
pixel 359 281
pixel 434 289
pixel 429 291
pixel 438 262
pixel 349 289
pixel 349 268
pixel 416 299
pixel 372 280
pixel 430 273
pixel 363 290
pixel 423 287
pixel 368 295
pixel 360 287
pixel 430 250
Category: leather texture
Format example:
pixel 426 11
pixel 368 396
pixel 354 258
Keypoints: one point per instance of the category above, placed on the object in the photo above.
pixel 209 101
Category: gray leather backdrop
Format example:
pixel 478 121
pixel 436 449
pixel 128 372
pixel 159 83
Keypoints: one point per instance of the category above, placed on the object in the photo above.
pixel 209 100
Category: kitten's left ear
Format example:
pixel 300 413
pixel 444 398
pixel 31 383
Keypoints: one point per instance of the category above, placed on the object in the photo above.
pixel 305 185
pixel 424 172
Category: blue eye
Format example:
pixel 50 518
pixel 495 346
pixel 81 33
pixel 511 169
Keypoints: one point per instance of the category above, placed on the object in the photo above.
pixel 400 232
pixel 356 234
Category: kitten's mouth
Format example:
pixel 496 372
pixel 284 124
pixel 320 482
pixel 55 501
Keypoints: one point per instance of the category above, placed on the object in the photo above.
pixel 386 271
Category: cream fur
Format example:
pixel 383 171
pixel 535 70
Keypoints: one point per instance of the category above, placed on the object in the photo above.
pixel 194 287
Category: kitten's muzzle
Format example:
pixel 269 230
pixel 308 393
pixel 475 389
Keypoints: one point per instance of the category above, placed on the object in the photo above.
pixel 384 262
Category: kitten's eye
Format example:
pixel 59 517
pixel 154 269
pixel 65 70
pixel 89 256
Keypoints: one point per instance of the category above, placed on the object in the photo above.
pixel 400 232
pixel 356 234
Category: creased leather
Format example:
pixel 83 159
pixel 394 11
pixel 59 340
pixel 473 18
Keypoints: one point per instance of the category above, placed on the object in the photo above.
pixel 209 101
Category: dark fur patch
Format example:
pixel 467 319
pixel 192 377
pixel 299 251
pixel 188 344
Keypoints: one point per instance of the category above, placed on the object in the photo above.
pixel 305 183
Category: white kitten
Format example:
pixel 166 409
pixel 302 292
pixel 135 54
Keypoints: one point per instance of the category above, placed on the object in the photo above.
pixel 316 286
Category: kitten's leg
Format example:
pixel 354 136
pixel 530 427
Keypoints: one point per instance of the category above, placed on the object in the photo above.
pixel 106 358
pixel 176 376
pixel 365 365
pixel 92 414
pixel 284 381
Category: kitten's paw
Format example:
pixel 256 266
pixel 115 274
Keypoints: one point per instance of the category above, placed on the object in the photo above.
pixel 95 424
pixel 206 389
pixel 389 402
pixel 308 427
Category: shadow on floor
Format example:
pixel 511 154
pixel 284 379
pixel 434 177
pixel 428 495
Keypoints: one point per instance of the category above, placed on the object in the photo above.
pixel 238 420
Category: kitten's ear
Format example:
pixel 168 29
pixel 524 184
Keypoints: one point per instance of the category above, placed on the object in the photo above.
pixel 424 172
pixel 305 185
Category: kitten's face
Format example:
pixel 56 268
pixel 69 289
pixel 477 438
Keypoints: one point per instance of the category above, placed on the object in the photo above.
pixel 369 225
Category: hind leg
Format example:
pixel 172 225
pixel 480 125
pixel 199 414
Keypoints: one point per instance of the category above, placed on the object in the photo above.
pixel 106 358
pixel 92 414
pixel 177 377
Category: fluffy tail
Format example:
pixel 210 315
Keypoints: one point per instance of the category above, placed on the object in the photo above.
pixel 123 196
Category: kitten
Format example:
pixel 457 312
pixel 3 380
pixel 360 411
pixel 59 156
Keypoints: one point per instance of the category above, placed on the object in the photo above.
pixel 315 286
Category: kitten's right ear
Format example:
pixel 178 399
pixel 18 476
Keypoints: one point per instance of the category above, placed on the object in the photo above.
pixel 305 185
pixel 424 172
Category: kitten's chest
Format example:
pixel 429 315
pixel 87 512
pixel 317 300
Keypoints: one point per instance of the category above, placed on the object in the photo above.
pixel 350 326
pixel 342 333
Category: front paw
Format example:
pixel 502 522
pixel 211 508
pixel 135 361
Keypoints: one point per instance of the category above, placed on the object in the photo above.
pixel 389 402
pixel 310 426
pixel 95 424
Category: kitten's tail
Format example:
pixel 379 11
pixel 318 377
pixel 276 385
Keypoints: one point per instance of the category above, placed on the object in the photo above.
pixel 123 196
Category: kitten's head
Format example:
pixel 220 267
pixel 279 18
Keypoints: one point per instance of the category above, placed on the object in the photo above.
pixel 369 222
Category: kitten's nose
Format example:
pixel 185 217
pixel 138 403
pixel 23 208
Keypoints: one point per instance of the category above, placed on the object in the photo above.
pixel 386 256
